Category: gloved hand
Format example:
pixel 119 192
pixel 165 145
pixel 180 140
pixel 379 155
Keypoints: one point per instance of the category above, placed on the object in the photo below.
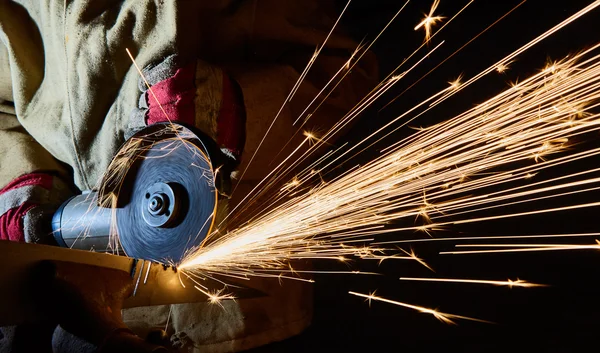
pixel 198 95
pixel 74 87
pixel 27 204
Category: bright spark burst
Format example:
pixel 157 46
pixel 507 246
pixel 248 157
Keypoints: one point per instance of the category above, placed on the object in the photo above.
pixel 519 124
pixel 504 66
pixel 443 317
pixel 310 135
pixel 456 83
pixel 430 20
pixel 509 283
pixel 532 120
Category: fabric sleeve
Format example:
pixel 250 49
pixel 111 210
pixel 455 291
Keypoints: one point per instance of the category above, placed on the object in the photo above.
pixel 31 185
pixel 5 81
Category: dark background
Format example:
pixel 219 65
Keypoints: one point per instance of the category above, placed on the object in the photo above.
pixel 559 318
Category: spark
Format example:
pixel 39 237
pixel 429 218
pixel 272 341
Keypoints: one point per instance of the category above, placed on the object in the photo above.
pixel 455 83
pixel 509 283
pixel 216 297
pixel 313 224
pixel 293 91
pixel 443 317
pixel 526 245
pixel 551 67
pixel 525 248
pixel 430 20
pixel 292 184
pixel 348 64
pixel 312 138
pixel 534 119
pixel 548 147
pixel 413 256
pixel 472 238
pixel 504 66
pixel 381 258
pixel 347 67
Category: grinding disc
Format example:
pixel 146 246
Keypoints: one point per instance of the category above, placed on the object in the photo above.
pixel 171 204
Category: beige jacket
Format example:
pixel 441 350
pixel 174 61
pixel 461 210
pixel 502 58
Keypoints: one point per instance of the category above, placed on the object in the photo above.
pixel 68 89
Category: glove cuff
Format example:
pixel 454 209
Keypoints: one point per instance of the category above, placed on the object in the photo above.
pixel 27 204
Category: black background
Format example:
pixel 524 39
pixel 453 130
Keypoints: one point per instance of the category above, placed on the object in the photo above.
pixel 559 318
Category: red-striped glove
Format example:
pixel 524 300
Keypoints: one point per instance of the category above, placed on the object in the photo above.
pixel 195 94
pixel 27 204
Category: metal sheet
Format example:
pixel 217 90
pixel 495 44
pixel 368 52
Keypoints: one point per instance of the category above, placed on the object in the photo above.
pixel 155 284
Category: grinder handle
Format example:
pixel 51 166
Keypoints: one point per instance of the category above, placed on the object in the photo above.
pixel 81 224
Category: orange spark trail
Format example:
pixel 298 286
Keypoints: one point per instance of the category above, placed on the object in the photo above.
pixel 508 283
pixel 444 317
pixel 430 20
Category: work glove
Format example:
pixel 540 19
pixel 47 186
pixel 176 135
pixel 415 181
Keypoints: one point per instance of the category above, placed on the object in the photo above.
pixel 197 95
pixel 27 205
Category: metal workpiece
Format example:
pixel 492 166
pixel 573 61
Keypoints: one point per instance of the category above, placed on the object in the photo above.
pixel 148 283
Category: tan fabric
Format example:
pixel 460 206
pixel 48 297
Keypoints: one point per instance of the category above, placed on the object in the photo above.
pixel 209 83
pixel 74 90
pixel 238 325
pixel 5 81
pixel 20 153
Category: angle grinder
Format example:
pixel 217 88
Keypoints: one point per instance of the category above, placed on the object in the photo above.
pixel 157 200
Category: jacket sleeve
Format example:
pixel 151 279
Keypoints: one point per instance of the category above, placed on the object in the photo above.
pixel 31 185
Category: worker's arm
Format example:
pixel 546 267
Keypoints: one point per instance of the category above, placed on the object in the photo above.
pixel 31 183
pixel 77 95
pixel 77 89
